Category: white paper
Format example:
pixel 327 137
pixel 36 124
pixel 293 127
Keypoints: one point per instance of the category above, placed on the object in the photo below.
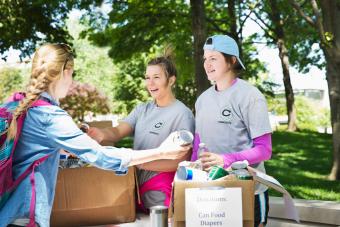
pixel 213 207
pixel 290 210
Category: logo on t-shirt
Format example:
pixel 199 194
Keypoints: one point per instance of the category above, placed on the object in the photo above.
pixel 157 127
pixel 226 115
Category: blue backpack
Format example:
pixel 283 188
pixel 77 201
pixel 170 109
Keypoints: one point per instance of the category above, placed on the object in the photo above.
pixel 7 149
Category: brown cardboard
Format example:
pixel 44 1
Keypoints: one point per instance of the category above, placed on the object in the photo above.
pixel 177 210
pixel 91 196
pixel 102 124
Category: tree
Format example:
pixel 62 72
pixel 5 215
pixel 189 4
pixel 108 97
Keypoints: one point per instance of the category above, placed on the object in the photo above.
pixel 84 99
pixel 274 31
pixel 199 33
pixel 11 80
pixel 24 24
pixel 92 63
pixel 325 19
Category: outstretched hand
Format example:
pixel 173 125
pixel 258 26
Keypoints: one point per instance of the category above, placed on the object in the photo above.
pixel 96 134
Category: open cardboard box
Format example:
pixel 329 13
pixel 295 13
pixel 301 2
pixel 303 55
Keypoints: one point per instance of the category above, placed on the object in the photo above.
pixel 90 196
pixel 177 208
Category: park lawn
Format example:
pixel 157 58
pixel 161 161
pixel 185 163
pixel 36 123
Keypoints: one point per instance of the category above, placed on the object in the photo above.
pixel 301 162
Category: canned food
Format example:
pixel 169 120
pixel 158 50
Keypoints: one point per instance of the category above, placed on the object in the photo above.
pixel 183 137
pixel 217 172
pixel 242 174
pixel 239 165
pixel 159 216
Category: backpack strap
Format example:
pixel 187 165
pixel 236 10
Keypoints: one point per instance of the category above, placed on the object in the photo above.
pixel 31 168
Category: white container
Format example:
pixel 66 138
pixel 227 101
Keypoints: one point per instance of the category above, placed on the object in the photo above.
pixel 191 174
pixel 159 216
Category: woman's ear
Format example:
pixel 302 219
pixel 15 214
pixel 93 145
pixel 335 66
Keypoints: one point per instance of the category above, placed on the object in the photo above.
pixel 233 60
pixel 172 80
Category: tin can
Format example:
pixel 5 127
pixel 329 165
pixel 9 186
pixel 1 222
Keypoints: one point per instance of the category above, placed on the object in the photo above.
pixel 243 174
pixel 183 137
pixel 239 165
pixel 217 172
pixel 159 216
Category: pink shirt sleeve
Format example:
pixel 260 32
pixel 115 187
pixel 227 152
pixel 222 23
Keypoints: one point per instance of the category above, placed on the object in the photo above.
pixel 261 151
pixel 196 142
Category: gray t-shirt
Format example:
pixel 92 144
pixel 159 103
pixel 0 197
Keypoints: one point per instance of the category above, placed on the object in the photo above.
pixel 229 120
pixel 152 125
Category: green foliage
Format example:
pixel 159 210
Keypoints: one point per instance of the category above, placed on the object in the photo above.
pixel 310 116
pixel 306 113
pixel 186 92
pixel 300 162
pixel 24 24
pixel 11 80
pixel 277 105
pixel 129 84
pixel 92 64
pixel 299 36
pixel 84 99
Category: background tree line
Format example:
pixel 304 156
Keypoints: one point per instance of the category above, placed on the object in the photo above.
pixel 132 31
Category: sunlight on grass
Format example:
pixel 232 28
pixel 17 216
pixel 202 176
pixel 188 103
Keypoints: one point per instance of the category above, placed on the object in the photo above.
pixel 301 161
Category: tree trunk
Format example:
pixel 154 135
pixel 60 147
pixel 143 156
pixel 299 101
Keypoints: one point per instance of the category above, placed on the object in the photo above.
pixel 199 33
pixel 233 27
pixel 331 20
pixel 291 110
pixel 283 54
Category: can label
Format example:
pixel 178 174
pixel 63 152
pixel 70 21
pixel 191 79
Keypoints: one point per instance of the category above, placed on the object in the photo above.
pixel 217 172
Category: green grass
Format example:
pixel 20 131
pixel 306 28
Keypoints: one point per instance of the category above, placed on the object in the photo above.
pixel 301 162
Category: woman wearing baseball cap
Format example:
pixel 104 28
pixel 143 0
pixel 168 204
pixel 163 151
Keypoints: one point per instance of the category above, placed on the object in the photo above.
pixel 232 117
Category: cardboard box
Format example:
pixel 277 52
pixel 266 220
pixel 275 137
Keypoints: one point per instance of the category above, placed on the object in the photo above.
pixel 177 209
pixel 90 196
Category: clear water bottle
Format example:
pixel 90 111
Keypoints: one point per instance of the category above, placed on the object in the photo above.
pixel 202 147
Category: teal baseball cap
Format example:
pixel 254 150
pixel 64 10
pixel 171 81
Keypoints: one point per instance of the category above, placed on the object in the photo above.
pixel 224 44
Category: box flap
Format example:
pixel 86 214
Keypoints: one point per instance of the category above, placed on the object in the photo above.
pixel 290 209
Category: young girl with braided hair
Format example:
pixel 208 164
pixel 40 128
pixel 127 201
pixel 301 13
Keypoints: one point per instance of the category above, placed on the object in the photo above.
pixel 150 123
pixel 47 129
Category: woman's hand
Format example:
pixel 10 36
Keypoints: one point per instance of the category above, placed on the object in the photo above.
pixel 96 134
pixel 209 160
pixel 170 150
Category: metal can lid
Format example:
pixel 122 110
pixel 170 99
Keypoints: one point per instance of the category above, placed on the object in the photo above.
pixel 159 209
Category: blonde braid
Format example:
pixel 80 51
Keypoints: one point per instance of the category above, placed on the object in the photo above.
pixel 47 66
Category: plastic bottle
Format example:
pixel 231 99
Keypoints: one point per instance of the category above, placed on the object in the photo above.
pixel 191 174
pixel 202 147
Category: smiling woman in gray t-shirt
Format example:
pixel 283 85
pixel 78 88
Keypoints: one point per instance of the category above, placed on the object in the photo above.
pixel 150 123
pixel 232 117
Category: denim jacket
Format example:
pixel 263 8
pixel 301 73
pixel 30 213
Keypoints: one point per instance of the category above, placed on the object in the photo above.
pixel 46 130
